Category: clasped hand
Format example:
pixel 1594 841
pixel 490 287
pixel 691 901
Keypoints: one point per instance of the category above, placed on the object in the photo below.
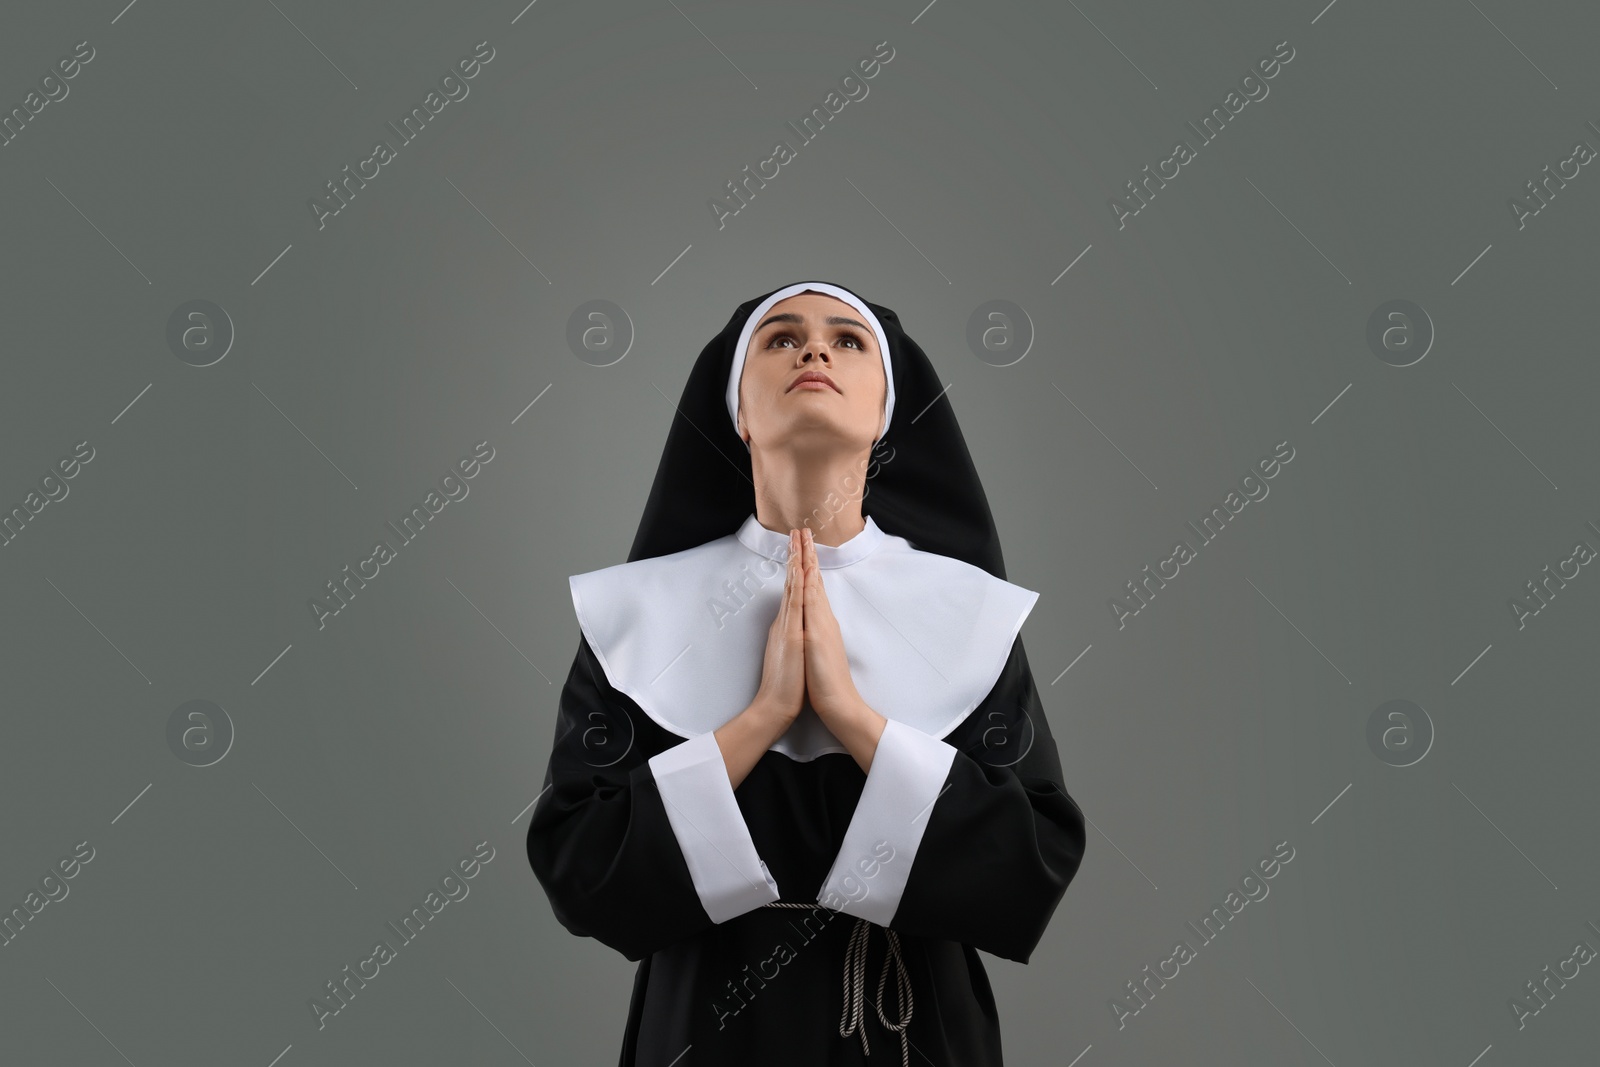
pixel 805 657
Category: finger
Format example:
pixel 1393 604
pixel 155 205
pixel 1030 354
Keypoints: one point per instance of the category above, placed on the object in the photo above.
pixel 819 611
pixel 811 593
pixel 797 570
pixel 820 592
pixel 787 599
pixel 788 579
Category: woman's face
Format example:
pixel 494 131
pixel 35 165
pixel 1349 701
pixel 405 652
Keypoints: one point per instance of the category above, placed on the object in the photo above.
pixel 812 333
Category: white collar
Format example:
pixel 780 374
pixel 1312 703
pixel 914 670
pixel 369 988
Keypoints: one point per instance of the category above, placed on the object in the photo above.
pixel 683 635
pixel 774 545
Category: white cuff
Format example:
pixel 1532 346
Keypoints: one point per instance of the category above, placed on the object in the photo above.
pixel 728 874
pixel 869 875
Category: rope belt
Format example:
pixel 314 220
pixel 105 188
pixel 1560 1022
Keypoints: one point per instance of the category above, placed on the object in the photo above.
pixel 855 975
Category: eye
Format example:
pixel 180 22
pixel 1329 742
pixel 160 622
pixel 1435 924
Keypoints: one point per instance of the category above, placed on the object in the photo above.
pixel 852 339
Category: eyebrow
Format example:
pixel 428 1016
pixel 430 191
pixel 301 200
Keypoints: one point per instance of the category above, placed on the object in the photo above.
pixel 831 320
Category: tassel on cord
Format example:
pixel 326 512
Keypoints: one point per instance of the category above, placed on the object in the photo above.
pixel 852 1018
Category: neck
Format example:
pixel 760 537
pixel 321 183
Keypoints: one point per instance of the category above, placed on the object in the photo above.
pixel 821 492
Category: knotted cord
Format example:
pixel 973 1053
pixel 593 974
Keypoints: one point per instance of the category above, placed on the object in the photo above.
pixel 852 1018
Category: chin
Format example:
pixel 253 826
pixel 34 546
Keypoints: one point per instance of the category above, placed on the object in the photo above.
pixel 824 435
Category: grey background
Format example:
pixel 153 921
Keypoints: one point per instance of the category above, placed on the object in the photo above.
pixel 1227 316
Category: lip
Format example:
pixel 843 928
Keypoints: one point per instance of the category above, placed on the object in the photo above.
pixel 820 379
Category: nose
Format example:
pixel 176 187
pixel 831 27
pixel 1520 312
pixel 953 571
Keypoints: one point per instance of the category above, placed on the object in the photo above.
pixel 815 347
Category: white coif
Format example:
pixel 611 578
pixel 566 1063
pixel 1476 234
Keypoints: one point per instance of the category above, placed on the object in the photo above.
pixel 742 346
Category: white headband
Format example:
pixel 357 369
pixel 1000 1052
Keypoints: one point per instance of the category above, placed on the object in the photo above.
pixel 783 294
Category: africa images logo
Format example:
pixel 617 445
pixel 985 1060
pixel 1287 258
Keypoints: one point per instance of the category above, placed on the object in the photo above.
pixel 452 487
pixel 454 88
pixel 851 89
pixel 1254 88
pixel 342 989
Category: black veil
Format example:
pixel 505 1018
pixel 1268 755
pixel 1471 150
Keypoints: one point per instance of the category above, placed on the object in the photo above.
pixel 929 494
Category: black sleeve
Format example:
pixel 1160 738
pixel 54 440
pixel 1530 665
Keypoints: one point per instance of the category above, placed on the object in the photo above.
pixel 600 842
pixel 1004 838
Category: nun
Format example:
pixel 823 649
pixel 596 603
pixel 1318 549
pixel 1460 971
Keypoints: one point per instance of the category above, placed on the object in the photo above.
pixel 800 745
